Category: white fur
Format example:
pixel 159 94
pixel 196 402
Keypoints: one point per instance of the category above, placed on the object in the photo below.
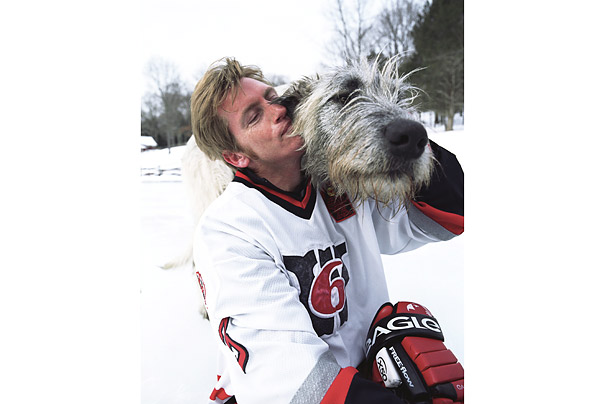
pixel 205 180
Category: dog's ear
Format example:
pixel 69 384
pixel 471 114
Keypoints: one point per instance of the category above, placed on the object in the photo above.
pixel 299 90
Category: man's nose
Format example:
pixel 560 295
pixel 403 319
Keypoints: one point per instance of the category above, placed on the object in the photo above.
pixel 278 112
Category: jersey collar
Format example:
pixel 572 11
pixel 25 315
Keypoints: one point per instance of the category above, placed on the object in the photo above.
pixel 300 202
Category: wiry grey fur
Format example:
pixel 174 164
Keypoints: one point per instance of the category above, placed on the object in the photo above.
pixel 342 116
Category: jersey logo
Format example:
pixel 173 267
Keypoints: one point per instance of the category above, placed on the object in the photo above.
pixel 322 278
pixel 339 206
pixel 240 353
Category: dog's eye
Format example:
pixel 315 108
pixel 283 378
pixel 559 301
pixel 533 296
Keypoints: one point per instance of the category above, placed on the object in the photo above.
pixel 343 97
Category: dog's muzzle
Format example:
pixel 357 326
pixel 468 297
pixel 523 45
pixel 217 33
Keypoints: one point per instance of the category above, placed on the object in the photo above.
pixel 405 138
pixel 289 102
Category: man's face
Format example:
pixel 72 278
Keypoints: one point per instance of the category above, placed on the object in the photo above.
pixel 260 129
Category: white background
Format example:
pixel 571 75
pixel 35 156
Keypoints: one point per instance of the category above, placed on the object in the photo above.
pixel 536 251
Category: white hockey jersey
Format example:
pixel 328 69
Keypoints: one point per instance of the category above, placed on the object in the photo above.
pixel 291 285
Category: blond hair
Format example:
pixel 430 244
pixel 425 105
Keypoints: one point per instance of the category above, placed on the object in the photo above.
pixel 211 132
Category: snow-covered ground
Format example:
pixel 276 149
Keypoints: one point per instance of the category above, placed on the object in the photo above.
pixel 179 347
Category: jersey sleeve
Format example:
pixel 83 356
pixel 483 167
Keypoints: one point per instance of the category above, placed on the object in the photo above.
pixel 436 214
pixel 269 348
pixel 443 199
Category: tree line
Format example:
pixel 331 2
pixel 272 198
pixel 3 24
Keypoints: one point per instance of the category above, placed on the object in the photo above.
pixel 165 112
pixel 427 36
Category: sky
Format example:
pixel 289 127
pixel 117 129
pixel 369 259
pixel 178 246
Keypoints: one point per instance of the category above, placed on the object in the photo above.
pixel 281 37
pixel 286 38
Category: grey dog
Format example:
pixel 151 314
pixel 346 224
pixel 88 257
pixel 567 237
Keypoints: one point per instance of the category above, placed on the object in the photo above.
pixel 360 134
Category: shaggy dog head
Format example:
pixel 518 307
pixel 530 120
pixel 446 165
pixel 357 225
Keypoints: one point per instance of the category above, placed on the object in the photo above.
pixel 360 134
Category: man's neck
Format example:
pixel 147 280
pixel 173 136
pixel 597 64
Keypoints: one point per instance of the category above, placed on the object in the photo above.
pixel 285 178
pixel 288 182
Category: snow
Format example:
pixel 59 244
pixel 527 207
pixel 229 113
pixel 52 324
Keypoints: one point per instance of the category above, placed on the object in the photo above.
pixel 147 141
pixel 162 163
pixel 179 347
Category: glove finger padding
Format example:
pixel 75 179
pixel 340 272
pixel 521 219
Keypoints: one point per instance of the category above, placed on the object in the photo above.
pixel 405 353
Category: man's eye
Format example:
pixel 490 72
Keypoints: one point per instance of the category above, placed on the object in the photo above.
pixel 253 119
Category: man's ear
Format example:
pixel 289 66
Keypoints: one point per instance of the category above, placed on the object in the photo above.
pixel 236 159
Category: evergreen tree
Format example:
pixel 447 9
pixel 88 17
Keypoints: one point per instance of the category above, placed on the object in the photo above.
pixel 439 42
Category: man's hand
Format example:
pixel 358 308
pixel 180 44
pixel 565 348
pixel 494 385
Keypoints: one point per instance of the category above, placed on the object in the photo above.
pixel 405 353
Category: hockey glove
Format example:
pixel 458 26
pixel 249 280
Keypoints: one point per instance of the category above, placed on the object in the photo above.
pixel 405 353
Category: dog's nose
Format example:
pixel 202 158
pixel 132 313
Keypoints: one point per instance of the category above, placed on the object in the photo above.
pixel 288 102
pixel 406 138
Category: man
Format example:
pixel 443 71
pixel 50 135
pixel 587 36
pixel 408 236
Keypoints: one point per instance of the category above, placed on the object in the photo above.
pixel 290 286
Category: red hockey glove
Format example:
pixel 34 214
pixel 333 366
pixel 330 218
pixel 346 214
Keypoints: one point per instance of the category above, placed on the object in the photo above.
pixel 405 353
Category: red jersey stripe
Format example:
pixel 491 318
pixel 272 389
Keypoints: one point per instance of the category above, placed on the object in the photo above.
pixel 220 394
pixel 339 388
pixel 450 221
pixel 301 204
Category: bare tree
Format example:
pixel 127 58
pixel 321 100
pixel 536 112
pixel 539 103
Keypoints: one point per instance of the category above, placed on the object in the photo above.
pixel 353 30
pixel 170 96
pixel 394 26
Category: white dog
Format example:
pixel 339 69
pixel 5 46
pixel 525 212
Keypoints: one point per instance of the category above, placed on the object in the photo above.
pixel 205 180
